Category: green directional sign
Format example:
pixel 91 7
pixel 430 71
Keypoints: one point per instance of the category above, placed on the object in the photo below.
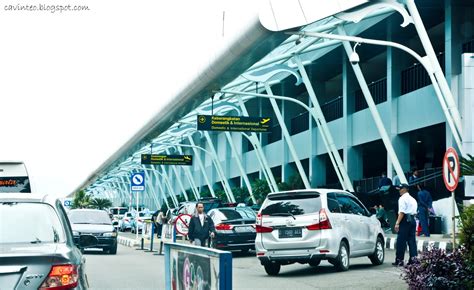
pixel 157 159
pixel 234 124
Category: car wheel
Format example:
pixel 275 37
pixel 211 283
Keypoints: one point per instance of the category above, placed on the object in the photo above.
pixel 272 269
pixel 315 263
pixel 378 256
pixel 342 261
pixel 113 250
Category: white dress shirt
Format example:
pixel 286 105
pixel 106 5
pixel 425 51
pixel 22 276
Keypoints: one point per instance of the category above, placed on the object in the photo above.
pixel 407 204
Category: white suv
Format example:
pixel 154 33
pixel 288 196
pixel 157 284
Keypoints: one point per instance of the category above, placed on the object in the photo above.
pixel 307 226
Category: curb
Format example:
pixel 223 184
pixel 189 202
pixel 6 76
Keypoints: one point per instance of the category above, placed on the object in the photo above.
pixel 127 242
pixel 422 245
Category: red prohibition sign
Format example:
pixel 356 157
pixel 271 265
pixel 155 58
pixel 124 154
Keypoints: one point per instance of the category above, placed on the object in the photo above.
pixel 182 222
pixel 451 169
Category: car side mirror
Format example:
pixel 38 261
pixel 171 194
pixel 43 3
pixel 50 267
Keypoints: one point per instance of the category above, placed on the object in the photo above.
pixel 87 241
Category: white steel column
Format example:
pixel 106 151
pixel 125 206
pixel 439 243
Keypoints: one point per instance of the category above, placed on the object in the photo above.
pixel 437 71
pixel 201 166
pixel 336 160
pixel 178 178
pixel 373 110
pixel 287 136
pixel 188 174
pixel 227 188
pixel 259 150
pixel 239 164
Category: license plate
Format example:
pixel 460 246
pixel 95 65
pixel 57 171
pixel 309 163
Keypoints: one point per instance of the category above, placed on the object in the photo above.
pixel 290 233
pixel 242 229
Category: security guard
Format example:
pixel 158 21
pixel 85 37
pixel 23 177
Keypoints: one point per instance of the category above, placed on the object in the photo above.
pixel 405 226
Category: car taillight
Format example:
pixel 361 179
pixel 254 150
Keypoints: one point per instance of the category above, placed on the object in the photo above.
pixel 323 224
pixel 262 229
pixel 259 218
pixel 125 220
pixel 61 277
pixel 140 220
pixel 224 227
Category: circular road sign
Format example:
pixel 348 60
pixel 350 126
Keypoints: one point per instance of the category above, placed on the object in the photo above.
pixel 451 169
pixel 182 224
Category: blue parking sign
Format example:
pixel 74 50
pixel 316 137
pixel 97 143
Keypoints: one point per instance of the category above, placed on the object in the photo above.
pixel 137 181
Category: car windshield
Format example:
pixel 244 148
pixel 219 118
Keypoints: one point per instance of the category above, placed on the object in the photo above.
pixel 89 217
pixel 291 204
pixel 119 211
pixel 246 212
pixel 29 223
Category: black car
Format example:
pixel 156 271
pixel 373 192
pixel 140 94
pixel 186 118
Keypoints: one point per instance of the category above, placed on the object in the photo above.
pixel 235 228
pixel 97 223
pixel 37 249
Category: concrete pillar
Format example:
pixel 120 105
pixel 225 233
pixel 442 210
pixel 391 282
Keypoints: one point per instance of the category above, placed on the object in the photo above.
pixel 319 164
pixel 453 49
pixel 401 143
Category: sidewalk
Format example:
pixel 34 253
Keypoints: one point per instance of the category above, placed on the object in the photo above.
pixel 128 239
pixel 423 243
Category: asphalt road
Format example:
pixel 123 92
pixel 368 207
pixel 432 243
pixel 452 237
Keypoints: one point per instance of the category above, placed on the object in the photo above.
pixel 132 269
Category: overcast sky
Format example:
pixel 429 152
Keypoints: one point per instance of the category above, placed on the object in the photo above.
pixel 75 86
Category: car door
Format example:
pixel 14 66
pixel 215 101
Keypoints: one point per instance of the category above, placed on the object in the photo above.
pixel 356 221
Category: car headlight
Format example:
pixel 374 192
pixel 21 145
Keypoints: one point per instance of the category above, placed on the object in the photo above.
pixel 109 235
pixel 76 233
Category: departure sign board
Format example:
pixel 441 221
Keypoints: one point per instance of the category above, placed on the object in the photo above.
pixel 234 124
pixel 157 159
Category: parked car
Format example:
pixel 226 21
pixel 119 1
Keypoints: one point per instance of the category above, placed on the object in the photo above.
pixel 307 226
pixel 189 207
pixel 37 249
pixel 125 223
pixel 139 221
pixel 235 228
pixel 117 214
pixel 97 223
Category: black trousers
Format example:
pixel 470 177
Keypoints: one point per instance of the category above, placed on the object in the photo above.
pixel 406 235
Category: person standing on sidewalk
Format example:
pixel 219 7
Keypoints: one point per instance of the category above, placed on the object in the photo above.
pixel 425 203
pixel 405 226
pixel 201 227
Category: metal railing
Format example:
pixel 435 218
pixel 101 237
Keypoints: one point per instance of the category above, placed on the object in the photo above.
pixel 378 90
pixel 415 77
pixel 429 177
pixel 468 47
pixel 299 123
pixel 333 109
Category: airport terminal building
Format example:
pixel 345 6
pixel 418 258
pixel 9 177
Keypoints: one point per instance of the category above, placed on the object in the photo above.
pixel 323 131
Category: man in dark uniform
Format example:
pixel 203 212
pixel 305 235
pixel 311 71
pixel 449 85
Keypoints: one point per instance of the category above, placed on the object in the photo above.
pixel 201 227
pixel 405 226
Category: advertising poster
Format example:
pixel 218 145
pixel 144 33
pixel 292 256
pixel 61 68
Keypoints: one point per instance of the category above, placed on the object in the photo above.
pixel 190 271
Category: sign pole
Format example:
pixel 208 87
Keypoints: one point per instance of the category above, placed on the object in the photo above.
pixel 451 175
pixel 136 218
pixel 454 220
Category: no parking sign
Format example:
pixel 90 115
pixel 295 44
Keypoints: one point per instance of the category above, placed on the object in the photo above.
pixel 451 169
pixel 182 224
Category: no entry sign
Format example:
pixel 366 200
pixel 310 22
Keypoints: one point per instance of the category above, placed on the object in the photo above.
pixel 451 169
pixel 182 224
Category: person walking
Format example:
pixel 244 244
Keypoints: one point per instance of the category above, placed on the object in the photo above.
pixel 201 227
pixel 405 226
pixel 425 204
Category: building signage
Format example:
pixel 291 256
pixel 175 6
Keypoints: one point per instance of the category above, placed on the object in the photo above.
pixel 234 124
pixel 157 159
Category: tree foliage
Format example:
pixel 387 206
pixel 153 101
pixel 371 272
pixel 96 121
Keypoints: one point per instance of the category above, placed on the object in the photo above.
pixel 81 200
pixel 100 203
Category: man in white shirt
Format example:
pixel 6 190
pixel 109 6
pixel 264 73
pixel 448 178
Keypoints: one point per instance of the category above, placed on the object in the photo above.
pixel 405 226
